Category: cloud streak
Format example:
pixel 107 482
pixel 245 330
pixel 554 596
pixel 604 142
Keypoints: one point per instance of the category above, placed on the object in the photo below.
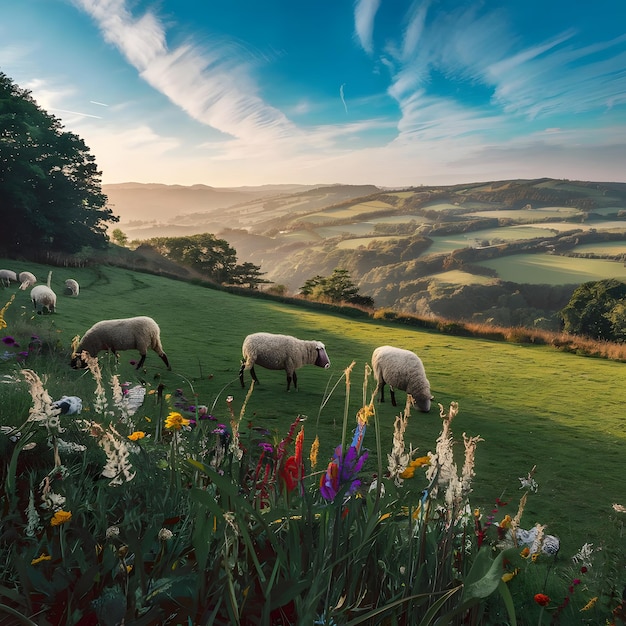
pixel 209 85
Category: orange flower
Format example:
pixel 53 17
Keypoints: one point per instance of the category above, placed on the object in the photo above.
pixel 138 434
pixel 542 599
pixel 45 557
pixel 60 517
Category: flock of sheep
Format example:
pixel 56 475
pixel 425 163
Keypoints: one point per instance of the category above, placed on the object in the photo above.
pixel 44 299
pixel 400 369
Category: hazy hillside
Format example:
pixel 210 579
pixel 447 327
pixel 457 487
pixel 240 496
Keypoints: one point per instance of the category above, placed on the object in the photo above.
pixel 155 210
pixel 510 252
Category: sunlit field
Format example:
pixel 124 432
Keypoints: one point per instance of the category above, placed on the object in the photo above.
pixel 552 269
pixel 530 215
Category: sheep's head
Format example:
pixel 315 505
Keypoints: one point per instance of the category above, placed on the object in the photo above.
pixel 77 362
pixel 322 359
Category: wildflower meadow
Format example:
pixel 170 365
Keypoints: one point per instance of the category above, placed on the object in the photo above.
pixel 137 503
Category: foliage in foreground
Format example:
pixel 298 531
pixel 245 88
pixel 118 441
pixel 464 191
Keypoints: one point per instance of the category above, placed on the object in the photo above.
pixel 145 508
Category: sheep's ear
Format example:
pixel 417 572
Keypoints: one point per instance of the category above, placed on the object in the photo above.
pixel 75 343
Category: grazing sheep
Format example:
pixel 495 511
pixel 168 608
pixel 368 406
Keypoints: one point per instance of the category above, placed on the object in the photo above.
pixel 401 369
pixel 44 299
pixel 6 277
pixel 71 287
pixel 281 352
pixel 26 280
pixel 133 333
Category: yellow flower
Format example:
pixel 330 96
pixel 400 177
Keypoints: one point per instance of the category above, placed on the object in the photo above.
pixel 525 552
pixel 3 310
pixel 506 522
pixel 314 450
pixel 138 434
pixel 509 575
pixel 47 557
pixel 590 604
pixel 175 421
pixel 364 413
pixel 409 472
pixel 60 517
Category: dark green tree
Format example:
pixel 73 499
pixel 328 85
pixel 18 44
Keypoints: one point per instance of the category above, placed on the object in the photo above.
pixel 50 190
pixel 596 310
pixel 338 287
pixel 248 275
pixel 205 253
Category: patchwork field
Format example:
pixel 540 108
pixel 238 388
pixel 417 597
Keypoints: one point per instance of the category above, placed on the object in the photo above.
pixel 549 269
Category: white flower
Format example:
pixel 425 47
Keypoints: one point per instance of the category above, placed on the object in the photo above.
pixel 619 508
pixel 165 534
pixel 112 532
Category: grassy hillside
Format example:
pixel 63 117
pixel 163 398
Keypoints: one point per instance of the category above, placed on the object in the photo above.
pixel 531 404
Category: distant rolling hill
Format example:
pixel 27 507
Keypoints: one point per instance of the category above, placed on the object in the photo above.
pixel 509 252
pixel 155 210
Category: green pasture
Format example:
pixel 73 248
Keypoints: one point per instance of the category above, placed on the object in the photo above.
pixel 347 212
pixel 529 215
pixel 357 242
pixel 550 269
pixel 606 248
pixel 533 405
pixel 459 277
pixel 449 243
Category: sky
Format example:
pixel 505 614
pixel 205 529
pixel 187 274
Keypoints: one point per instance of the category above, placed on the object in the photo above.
pixel 395 93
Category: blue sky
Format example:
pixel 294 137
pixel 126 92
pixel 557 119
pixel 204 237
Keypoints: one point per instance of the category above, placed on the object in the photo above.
pixel 388 92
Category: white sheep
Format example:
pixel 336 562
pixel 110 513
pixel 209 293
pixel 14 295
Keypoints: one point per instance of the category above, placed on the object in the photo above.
pixel 26 280
pixel 71 287
pixel 404 370
pixel 133 333
pixel 281 352
pixel 44 299
pixel 6 277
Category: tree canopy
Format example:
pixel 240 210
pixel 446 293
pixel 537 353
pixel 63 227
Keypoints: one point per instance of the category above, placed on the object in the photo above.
pixel 338 287
pixel 50 187
pixel 210 256
pixel 597 309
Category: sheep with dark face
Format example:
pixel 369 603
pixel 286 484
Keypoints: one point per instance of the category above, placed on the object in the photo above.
pixel 134 333
pixel 281 352
pixel 44 299
pixel 404 370
pixel 71 288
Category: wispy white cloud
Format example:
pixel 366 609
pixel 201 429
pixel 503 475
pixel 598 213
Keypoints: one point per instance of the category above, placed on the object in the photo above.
pixel 341 95
pixel 210 84
pixel 364 17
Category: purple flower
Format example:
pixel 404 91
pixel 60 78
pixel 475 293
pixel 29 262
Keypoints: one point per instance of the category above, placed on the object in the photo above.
pixel 8 340
pixel 266 447
pixel 341 471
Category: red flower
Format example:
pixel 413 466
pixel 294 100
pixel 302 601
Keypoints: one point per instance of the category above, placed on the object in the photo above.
pixel 289 473
pixel 542 599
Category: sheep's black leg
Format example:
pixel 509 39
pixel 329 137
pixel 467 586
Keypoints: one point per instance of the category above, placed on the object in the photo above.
pixel 141 361
pixel 253 374
pixel 393 396
pixel 241 370
pixel 288 381
pixel 295 380
pixel 381 384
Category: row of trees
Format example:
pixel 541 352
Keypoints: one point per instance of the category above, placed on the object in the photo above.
pixel 50 190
